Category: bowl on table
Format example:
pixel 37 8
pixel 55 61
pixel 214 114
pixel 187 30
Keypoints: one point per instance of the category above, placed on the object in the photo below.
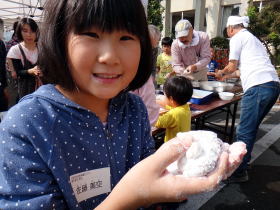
pixel 226 95
pixel 216 86
pixel 195 84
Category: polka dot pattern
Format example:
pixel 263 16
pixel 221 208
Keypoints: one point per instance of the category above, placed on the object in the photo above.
pixel 46 138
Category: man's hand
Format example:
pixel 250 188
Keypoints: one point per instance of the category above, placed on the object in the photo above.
pixel 219 75
pixel 191 69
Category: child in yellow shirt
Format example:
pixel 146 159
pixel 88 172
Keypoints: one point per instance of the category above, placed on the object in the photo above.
pixel 164 67
pixel 178 91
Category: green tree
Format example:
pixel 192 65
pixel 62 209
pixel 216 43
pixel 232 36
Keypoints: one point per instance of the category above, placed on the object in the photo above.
pixel 265 25
pixel 155 11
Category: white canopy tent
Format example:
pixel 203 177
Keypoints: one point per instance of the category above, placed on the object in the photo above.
pixel 13 10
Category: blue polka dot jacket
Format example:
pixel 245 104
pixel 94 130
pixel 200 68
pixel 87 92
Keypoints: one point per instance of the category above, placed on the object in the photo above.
pixel 46 138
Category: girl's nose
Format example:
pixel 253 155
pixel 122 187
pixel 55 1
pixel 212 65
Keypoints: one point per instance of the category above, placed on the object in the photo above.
pixel 108 54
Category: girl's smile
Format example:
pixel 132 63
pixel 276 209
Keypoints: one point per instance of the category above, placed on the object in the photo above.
pixel 102 64
pixel 107 78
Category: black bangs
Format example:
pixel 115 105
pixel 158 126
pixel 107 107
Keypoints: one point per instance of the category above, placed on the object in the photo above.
pixel 107 15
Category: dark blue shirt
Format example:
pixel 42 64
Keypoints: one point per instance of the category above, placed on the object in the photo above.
pixel 46 138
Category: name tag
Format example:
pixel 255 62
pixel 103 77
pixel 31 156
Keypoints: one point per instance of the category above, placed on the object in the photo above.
pixel 91 183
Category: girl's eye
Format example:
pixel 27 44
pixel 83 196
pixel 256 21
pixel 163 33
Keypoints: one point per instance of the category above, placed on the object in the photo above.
pixel 125 38
pixel 90 34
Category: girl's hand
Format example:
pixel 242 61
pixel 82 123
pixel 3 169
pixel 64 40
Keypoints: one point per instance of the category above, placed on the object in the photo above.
pixel 149 182
pixel 167 75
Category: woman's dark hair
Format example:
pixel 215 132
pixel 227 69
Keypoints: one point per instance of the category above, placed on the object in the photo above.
pixel 167 41
pixel 64 16
pixel 33 26
pixel 15 29
pixel 179 88
pixel 15 25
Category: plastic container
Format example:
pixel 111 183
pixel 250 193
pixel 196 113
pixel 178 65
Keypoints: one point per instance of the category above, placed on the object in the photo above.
pixel 226 95
pixel 201 96
pixel 216 86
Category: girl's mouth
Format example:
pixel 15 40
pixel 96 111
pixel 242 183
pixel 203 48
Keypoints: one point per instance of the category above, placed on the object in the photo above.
pixel 107 76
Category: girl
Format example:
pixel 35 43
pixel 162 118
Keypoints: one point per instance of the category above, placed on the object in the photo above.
pixel 22 58
pixel 67 145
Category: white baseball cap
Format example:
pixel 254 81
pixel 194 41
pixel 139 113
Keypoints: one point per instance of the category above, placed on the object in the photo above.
pixel 182 28
pixel 235 20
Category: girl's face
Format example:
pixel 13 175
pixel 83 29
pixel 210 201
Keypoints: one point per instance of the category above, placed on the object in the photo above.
pixel 103 64
pixel 28 35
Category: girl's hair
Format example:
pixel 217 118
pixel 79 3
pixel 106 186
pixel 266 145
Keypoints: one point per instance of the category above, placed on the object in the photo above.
pixel 167 41
pixel 33 26
pixel 179 88
pixel 64 16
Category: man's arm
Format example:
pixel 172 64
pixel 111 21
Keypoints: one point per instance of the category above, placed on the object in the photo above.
pixel 230 71
pixel 231 67
pixel 177 61
pixel 235 74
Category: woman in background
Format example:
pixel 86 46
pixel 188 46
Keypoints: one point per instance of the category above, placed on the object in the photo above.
pixel 22 58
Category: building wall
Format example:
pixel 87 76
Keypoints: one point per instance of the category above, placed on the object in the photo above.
pixel 217 12
pixel 230 2
pixel 182 5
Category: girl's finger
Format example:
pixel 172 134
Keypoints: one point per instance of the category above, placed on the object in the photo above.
pixel 170 152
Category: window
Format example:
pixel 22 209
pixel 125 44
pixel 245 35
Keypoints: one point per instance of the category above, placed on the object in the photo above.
pixel 228 11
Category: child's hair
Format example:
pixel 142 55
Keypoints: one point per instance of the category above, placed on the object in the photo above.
pixel 33 26
pixel 179 88
pixel 167 41
pixel 64 16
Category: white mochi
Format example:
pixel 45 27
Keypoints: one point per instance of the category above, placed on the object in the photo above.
pixel 203 155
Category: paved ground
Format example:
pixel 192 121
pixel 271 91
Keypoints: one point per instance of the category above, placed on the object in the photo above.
pixel 262 192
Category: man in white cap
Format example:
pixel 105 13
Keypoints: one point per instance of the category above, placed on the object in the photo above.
pixel 190 51
pixel 249 59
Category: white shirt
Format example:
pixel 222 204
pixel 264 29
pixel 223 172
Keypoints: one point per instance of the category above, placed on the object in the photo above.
pixel 254 63
pixel 31 55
